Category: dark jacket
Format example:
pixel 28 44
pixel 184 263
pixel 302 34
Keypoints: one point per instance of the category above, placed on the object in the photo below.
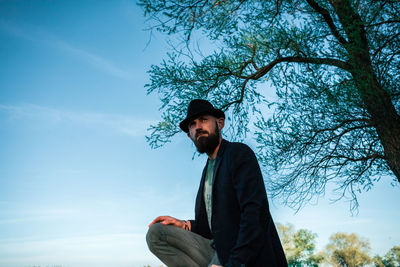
pixel 242 227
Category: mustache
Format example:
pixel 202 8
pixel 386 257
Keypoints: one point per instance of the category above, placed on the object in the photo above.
pixel 200 132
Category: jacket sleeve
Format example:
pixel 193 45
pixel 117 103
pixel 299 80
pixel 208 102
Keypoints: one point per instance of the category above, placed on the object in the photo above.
pixel 194 226
pixel 251 195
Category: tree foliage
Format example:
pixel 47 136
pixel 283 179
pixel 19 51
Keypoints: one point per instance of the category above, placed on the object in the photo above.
pixel 299 246
pixel 391 258
pixel 347 250
pixel 335 68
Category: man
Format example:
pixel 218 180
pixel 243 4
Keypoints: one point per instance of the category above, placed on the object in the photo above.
pixel 232 225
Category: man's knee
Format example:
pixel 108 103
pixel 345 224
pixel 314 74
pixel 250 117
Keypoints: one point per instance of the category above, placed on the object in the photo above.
pixel 154 234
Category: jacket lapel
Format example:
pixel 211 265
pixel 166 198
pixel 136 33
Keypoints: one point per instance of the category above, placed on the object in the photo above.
pixel 215 173
pixel 218 161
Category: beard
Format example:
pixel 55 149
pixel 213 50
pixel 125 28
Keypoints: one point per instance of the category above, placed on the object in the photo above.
pixel 207 144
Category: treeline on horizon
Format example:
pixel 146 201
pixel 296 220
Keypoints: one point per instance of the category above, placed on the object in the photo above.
pixel 342 250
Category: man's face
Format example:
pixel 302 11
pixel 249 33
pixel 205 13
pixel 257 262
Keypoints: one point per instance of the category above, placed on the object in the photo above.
pixel 205 132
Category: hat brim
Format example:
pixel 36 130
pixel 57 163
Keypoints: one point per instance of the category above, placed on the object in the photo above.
pixel 214 112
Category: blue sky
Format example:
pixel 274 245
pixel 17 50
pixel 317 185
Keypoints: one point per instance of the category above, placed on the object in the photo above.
pixel 78 183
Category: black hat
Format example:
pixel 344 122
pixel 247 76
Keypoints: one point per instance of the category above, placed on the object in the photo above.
pixel 198 107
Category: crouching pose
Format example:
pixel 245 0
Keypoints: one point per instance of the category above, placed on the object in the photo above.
pixel 233 225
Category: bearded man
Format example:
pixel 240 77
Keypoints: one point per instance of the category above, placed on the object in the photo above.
pixel 233 225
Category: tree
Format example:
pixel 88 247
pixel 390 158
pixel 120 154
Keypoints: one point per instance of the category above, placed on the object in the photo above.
pixel 391 258
pixel 335 67
pixel 299 246
pixel 378 261
pixel 347 250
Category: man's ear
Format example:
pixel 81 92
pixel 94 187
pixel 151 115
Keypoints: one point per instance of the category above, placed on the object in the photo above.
pixel 221 123
pixel 188 134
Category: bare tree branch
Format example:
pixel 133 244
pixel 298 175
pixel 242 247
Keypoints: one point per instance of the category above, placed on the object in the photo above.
pixel 327 61
pixel 328 19
pixel 383 22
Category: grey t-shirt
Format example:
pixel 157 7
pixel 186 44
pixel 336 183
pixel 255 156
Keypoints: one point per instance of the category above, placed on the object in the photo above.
pixel 208 189
pixel 208 201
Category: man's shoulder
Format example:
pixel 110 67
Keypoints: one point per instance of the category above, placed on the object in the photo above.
pixel 239 154
pixel 238 147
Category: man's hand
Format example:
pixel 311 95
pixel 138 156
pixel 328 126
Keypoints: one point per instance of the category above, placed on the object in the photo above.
pixel 216 265
pixel 168 220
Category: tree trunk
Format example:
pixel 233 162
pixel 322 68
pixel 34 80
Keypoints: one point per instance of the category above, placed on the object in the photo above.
pixel 376 100
pixel 385 118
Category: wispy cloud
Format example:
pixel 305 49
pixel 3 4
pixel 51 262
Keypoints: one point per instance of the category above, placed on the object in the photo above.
pixel 127 125
pixel 94 60
pixel 38 35
pixel 36 215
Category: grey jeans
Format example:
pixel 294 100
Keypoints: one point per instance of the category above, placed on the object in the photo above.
pixel 176 247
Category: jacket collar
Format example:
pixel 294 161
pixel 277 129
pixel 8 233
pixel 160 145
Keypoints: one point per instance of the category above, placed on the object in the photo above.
pixel 218 159
pixel 222 148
